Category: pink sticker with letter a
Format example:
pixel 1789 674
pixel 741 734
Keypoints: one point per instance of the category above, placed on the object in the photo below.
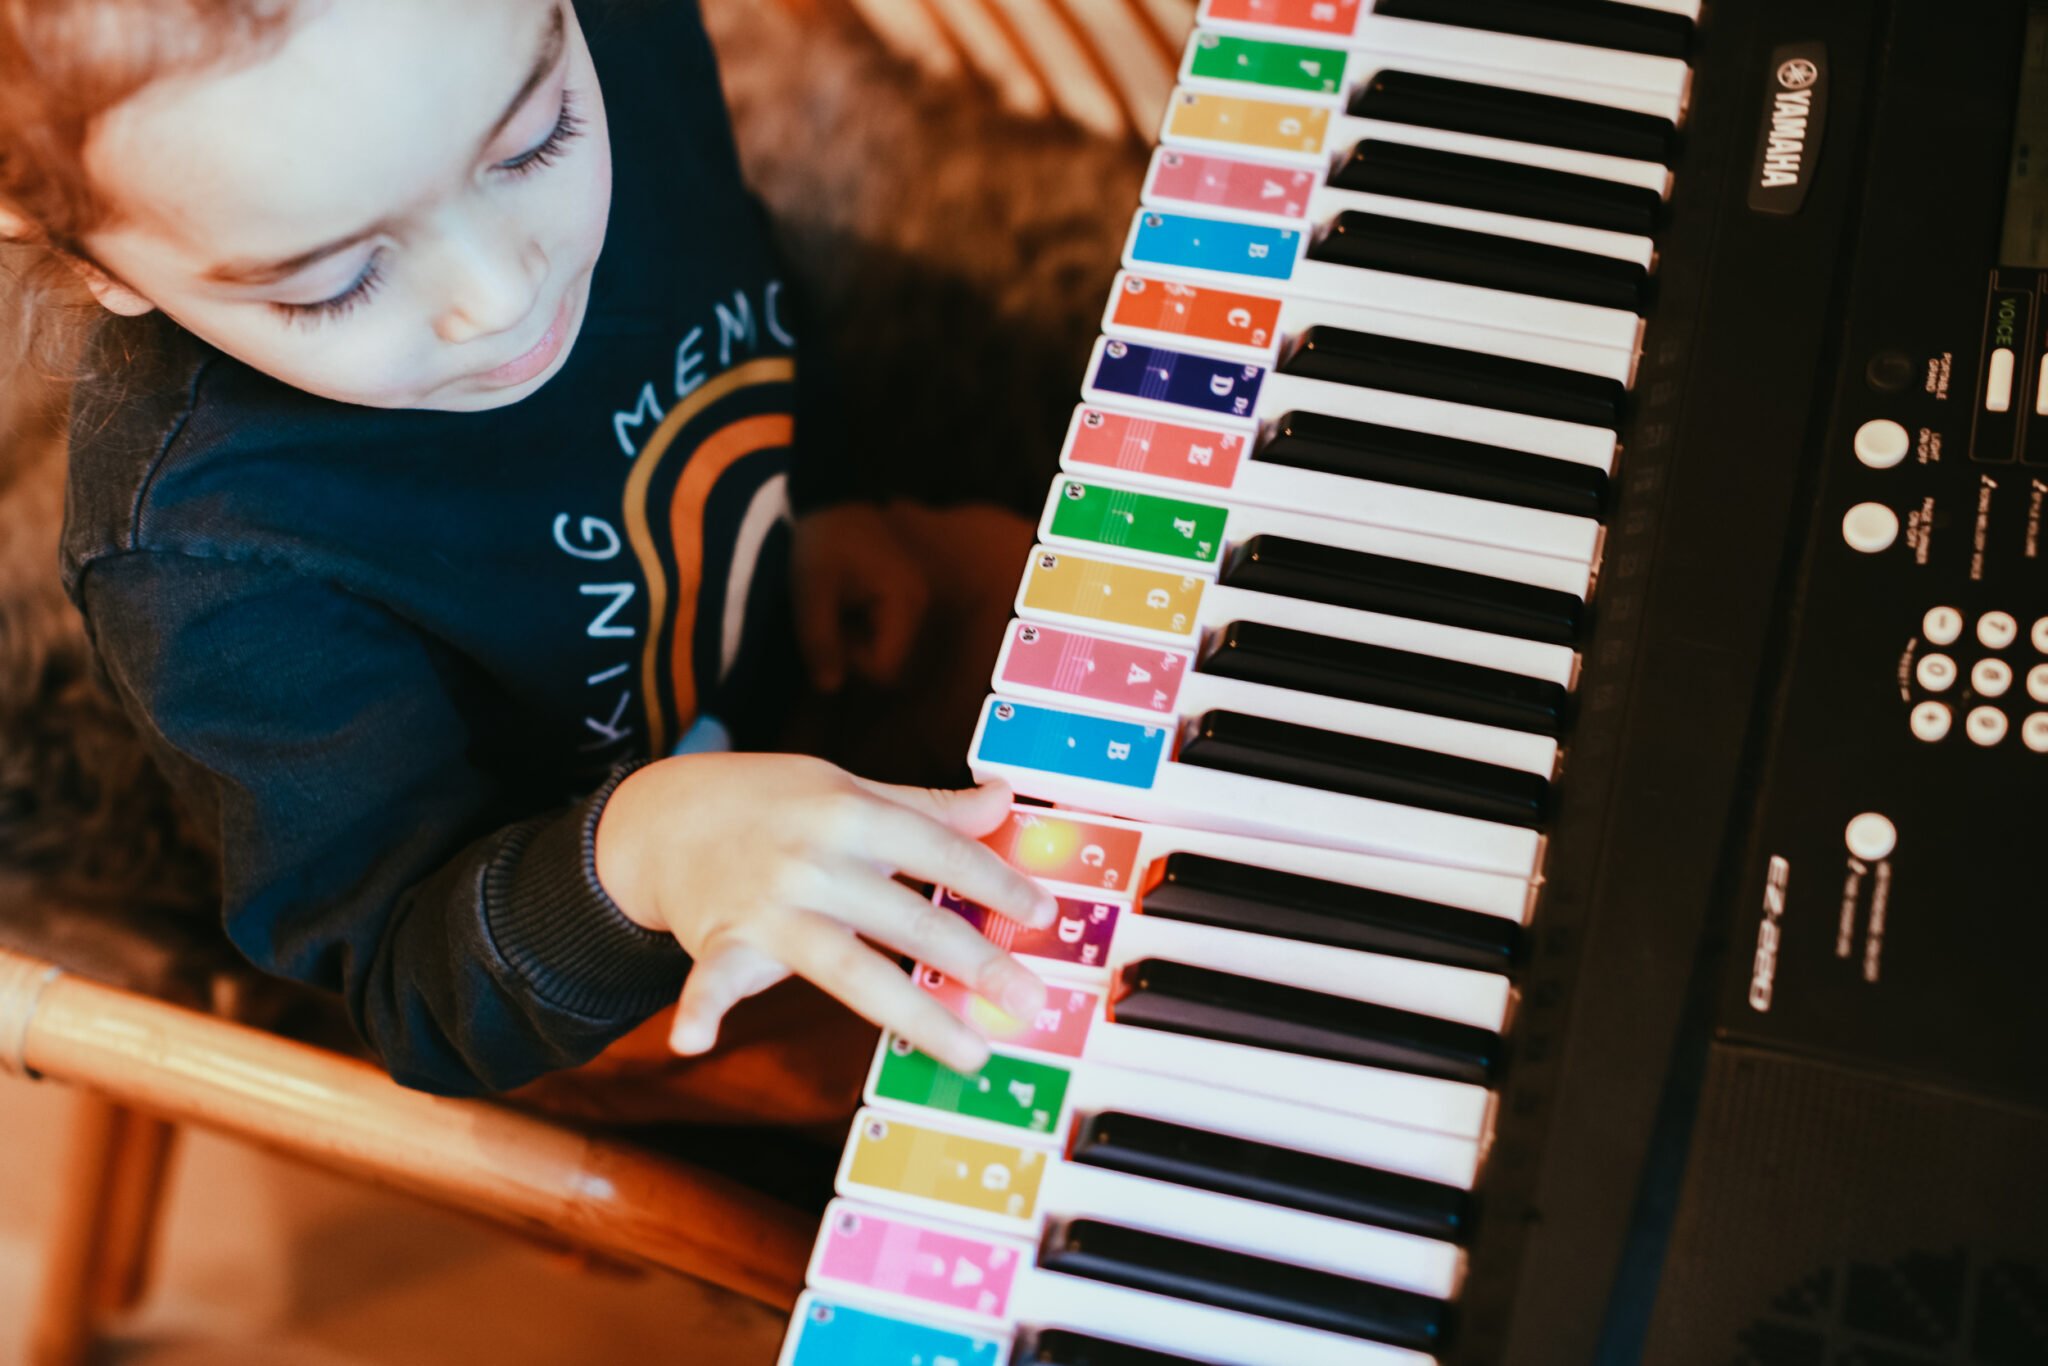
pixel 1060 1027
pixel 1117 671
pixel 1227 183
pixel 1164 450
pixel 900 1258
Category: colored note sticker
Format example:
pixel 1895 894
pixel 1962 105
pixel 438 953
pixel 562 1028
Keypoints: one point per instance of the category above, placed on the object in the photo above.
pixel 1226 183
pixel 1178 239
pixel 1147 522
pixel 1288 66
pixel 890 1154
pixel 1024 1093
pixel 836 1334
pixel 1061 848
pixel 897 1257
pixel 1117 594
pixel 1217 315
pixel 1072 743
pixel 1079 934
pixel 1164 450
pixel 1338 17
pixel 1272 124
pixel 1203 383
pixel 1060 1026
pixel 1094 667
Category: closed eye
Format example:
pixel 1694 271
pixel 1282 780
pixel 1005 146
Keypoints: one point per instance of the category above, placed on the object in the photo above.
pixel 568 127
pixel 340 305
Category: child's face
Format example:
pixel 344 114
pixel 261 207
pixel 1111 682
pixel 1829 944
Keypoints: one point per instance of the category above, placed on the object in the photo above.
pixel 399 204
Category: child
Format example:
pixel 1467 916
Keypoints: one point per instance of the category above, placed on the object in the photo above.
pixel 433 477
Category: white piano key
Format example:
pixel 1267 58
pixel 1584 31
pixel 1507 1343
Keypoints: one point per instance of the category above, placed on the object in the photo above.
pixel 1280 393
pixel 1200 692
pixel 1666 78
pixel 1195 1330
pixel 1376 538
pixel 1454 1108
pixel 1299 313
pixel 1462 995
pixel 1404 1261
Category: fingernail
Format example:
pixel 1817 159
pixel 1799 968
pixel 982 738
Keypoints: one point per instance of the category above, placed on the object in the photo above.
pixel 691 1036
pixel 1018 992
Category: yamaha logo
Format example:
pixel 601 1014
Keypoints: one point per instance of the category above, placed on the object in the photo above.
pixel 1797 74
pixel 1788 143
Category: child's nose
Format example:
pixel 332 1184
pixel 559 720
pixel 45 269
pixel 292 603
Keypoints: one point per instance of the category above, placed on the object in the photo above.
pixel 491 287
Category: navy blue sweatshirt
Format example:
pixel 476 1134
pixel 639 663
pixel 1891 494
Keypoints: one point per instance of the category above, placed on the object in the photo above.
pixel 396 660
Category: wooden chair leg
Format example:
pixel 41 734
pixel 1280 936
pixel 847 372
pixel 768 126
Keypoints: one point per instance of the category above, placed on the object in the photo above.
pixel 107 1207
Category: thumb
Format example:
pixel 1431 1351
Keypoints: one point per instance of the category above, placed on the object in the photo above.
pixel 715 985
pixel 970 810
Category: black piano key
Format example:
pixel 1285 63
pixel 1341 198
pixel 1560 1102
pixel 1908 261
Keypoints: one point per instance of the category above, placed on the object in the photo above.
pixel 1237 896
pixel 1178 999
pixel 1058 1347
pixel 1426 370
pixel 1283 752
pixel 1431 251
pixel 1595 23
pixel 1516 115
pixel 1403 588
pixel 1242 1282
pixel 1271 1175
pixel 1329 666
pixel 1425 460
pixel 1402 171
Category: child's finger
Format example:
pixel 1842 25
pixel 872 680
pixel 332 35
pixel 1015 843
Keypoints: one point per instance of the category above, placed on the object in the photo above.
pixel 715 985
pixel 905 837
pixel 876 989
pixel 821 639
pixel 889 912
pixel 972 811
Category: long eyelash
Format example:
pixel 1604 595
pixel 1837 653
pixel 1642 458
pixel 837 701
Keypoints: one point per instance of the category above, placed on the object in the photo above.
pixel 343 303
pixel 568 127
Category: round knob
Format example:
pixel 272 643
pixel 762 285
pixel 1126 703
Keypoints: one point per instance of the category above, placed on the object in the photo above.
pixel 1870 527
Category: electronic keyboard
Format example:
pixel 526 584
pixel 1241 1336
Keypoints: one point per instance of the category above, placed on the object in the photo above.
pixel 1532 696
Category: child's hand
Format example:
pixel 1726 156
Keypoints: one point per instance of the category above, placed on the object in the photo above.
pixel 765 864
pixel 860 597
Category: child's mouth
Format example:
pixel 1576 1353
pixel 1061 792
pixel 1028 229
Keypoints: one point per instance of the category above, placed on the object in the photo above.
pixel 539 357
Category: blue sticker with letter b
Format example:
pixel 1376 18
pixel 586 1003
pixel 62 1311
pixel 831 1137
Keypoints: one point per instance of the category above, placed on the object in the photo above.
pixel 1076 745
pixel 836 1335
pixel 1200 382
pixel 1176 239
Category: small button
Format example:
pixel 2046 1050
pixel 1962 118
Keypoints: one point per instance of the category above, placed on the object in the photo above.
pixel 1890 371
pixel 2037 682
pixel 1991 677
pixel 1998 381
pixel 1942 626
pixel 1935 672
pixel 2034 730
pixel 1997 630
pixel 1870 527
pixel 1931 721
pixel 1985 725
pixel 1871 836
pixel 2041 635
pixel 1882 443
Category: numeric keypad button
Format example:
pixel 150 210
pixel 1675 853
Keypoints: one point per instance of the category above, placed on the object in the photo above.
pixel 1985 725
pixel 1996 630
pixel 1931 721
pixel 1936 673
pixel 2041 635
pixel 1991 677
pixel 2034 731
pixel 2037 683
pixel 1942 626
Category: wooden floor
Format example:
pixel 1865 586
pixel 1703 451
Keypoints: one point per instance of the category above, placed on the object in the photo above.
pixel 267 1263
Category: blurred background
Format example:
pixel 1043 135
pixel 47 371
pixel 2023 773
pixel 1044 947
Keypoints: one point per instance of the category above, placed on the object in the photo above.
pixel 952 179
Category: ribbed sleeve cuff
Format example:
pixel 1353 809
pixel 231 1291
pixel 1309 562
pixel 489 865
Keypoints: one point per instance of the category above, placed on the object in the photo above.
pixel 552 920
